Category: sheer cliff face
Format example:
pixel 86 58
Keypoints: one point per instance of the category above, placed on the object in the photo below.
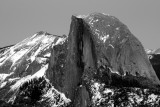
pixel 114 45
pixel 155 61
pixel 53 71
pixel 154 57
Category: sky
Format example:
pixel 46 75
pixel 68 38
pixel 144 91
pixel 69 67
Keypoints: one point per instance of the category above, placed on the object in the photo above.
pixel 20 19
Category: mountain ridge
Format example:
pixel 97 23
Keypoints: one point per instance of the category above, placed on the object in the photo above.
pixel 99 62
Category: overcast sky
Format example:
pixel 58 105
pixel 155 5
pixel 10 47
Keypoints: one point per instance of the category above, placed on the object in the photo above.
pixel 20 19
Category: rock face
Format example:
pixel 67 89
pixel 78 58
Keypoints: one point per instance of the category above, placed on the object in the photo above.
pixel 23 71
pixel 116 47
pixel 154 58
pixel 93 66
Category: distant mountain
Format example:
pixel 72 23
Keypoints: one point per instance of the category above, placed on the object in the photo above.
pixel 151 51
pixel 100 63
pixel 154 57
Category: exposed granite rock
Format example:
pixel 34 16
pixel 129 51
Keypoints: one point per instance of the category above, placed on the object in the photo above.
pixel 23 65
pixel 155 61
pixel 112 54
pixel 114 46
pixel 100 63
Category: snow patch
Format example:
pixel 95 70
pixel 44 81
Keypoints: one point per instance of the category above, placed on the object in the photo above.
pixel 96 94
pixel 47 55
pixel 117 28
pixel 60 41
pixel 96 20
pixel 33 56
pixel 55 98
pixel 104 38
pixel 82 16
pixel 134 97
pixel 38 74
pixel 4 76
pixel 34 40
pixel 47 40
pixel 107 91
pixel 41 72
pixel 3 84
pixel 91 21
pixel 105 14
pixel 41 60
pixel 97 32
pixel 113 71
pixel 13 79
pixel 152 98
pixel 17 56
pixel 111 45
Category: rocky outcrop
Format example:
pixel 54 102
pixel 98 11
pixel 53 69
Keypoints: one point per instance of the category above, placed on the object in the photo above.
pixel 155 61
pixel 23 72
pixel 116 47
pixel 112 54
pixel 100 63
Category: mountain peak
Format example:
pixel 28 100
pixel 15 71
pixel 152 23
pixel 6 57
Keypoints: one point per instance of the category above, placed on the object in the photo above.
pixel 99 63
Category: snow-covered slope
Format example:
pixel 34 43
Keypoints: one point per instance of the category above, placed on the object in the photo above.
pixel 26 61
pixel 100 63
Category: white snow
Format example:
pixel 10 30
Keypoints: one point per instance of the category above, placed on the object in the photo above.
pixel 20 82
pixel 27 67
pixel 150 56
pixel 104 38
pixel 41 72
pixel 111 45
pixel 13 79
pixel 47 54
pixel 34 54
pixel 38 74
pixel 152 98
pixel 95 90
pixel 117 28
pixel 60 41
pixel 9 80
pixel 4 76
pixel 91 21
pixel 99 92
pixel 97 32
pixel 95 20
pixel 6 56
pixel 113 71
pixel 18 55
pixel 134 97
pixel 105 14
pixel 81 16
pixel 3 84
pixel 46 40
pixel 2 59
pixel 41 60
pixel 34 36
pixel 34 40
pixel 56 98
pixel 106 91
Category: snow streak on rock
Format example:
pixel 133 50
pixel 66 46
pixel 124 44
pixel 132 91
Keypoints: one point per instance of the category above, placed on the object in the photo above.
pixel 28 78
pixel 27 62
pixel 55 98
